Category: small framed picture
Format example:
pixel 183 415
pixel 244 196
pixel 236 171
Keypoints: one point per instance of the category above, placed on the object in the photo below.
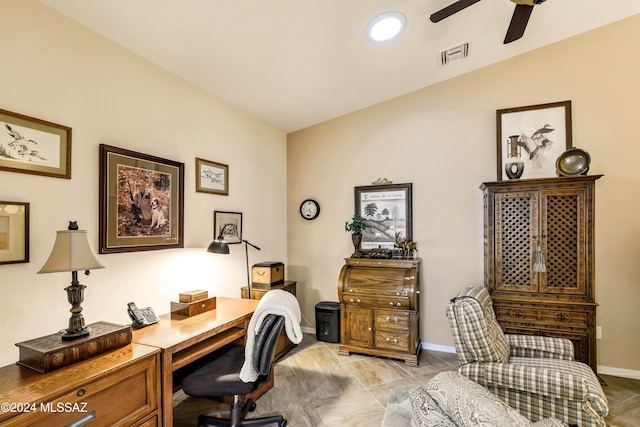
pixel 229 224
pixel 30 145
pixel 14 232
pixel 212 177
pixel 531 138
pixel 387 210
pixel 141 202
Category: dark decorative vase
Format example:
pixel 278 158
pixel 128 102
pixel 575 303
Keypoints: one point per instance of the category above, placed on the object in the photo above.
pixel 514 165
pixel 356 238
pixel 514 169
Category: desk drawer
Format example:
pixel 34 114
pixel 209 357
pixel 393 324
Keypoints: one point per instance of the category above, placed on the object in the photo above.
pixel 389 302
pixel 120 399
pixel 392 320
pixel 392 340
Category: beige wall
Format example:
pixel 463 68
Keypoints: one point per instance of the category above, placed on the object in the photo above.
pixel 442 139
pixel 57 70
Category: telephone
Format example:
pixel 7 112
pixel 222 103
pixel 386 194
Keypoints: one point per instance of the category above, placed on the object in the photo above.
pixel 141 317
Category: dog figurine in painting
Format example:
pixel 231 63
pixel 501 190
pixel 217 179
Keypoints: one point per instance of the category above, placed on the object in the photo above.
pixel 157 216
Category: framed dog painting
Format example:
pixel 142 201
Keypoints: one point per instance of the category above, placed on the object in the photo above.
pixel 141 202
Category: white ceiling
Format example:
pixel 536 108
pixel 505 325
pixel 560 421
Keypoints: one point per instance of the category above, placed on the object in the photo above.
pixel 295 63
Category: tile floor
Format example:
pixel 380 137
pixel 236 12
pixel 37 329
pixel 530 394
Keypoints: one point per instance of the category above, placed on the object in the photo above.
pixel 315 387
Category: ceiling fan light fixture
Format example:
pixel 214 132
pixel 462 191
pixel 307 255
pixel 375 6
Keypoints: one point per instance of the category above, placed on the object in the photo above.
pixel 386 26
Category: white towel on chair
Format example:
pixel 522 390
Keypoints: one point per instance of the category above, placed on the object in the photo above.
pixel 277 302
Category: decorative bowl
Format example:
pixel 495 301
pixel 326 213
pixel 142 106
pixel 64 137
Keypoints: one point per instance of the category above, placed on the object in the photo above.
pixel 573 162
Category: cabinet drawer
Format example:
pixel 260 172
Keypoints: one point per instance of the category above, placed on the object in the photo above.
pixel 567 318
pixel 119 399
pixel 392 340
pixel 392 320
pixel 521 314
pixel 376 302
pixel 516 314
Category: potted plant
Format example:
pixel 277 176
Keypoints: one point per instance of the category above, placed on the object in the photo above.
pixel 356 228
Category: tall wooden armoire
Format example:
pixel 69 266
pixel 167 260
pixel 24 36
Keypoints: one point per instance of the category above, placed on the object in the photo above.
pixel 551 219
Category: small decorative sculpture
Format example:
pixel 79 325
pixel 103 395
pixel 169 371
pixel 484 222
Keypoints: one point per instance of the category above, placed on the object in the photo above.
pixel 381 181
pixel 406 246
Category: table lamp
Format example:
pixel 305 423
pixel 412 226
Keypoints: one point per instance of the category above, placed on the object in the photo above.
pixel 220 246
pixel 72 252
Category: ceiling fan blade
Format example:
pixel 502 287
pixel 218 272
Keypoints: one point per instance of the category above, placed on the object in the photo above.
pixel 518 23
pixel 451 9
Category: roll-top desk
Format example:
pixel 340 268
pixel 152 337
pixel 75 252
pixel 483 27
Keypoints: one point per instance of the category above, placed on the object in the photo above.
pixel 379 308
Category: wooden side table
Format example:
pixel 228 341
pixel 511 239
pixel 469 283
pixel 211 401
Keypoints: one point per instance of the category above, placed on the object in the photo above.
pixel 284 344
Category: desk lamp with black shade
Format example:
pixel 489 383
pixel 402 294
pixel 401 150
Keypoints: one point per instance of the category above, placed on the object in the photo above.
pixel 72 252
pixel 220 246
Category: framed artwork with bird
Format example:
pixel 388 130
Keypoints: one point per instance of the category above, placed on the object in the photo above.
pixel 531 138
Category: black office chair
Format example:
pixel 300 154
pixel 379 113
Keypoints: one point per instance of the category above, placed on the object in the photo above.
pixel 221 377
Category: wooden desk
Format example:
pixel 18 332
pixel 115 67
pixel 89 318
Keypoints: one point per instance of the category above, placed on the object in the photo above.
pixel 187 340
pixel 117 388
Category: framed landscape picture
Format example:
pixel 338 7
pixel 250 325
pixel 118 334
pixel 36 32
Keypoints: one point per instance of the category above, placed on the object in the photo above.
pixel 531 138
pixel 34 146
pixel 387 210
pixel 141 201
pixel 14 232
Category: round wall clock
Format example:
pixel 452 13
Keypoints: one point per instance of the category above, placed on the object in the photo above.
pixel 310 209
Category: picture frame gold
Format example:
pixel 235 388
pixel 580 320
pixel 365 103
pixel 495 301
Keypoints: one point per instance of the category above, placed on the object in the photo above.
pixel 14 232
pixel 531 138
pixel 141 202
pixel 34 146
pixel 212 177
pixel 387 209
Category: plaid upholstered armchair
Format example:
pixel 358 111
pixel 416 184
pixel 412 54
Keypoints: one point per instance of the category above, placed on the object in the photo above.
pixel 535 375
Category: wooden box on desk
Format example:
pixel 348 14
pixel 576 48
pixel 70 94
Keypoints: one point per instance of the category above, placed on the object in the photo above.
pixel 180 310
pixel 192 296
pixel 267 274
pixel 47 353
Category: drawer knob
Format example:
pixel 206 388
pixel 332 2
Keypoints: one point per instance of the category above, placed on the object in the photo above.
pixel 389 319
pixel 392 340
pixel 80 392
pixel 399 305
pixel 391 303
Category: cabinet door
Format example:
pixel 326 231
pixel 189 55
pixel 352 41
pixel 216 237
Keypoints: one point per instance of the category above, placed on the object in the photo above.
pixel 359 327
pixel 563 227
pixel 516 228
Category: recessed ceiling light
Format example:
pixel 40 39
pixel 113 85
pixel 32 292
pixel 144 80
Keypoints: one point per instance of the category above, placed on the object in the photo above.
pixel 386 26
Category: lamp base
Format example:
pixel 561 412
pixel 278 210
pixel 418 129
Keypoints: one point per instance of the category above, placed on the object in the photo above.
pixel 77 327
pixel 74 335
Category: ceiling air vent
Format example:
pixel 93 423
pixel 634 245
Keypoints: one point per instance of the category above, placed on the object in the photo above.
pixel 454 54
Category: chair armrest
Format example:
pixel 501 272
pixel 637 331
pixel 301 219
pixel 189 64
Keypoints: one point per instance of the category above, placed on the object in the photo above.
pixel 530 379
pixel 541 347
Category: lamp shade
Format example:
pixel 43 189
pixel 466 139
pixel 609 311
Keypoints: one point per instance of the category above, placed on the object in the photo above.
pixel 218 246
pixel 71 252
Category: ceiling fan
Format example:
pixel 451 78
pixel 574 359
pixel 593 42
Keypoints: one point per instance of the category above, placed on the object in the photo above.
pixel 518 21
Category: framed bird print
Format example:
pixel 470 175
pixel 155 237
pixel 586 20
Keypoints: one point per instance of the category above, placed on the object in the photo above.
pixel 34 146
pixel 212 177
pixel 531 138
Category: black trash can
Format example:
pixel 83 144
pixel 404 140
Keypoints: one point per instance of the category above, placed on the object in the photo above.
pixel 328 321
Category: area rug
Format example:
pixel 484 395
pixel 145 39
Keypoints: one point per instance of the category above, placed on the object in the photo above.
pixel 398 412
